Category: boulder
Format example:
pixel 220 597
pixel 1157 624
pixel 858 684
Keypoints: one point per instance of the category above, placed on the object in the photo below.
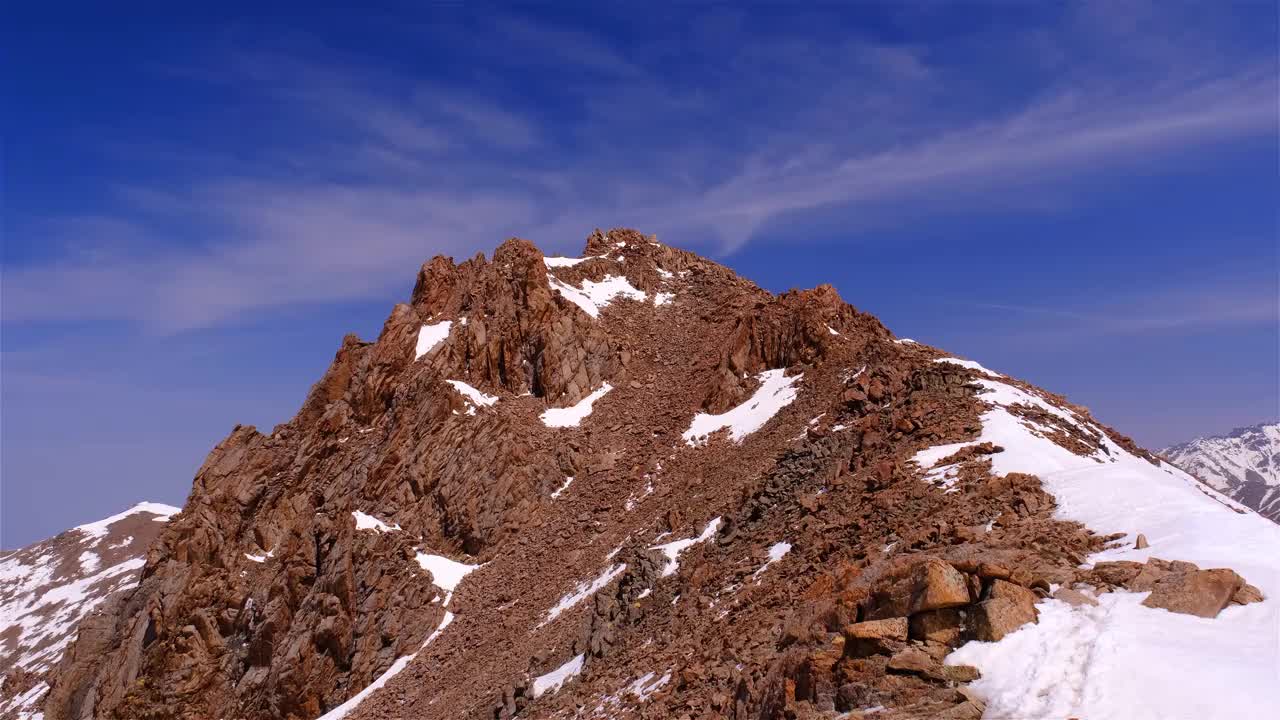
pixel 1116 572
pixel 1148 576
pixel 852 696
pixel 914 661
pixel 875 637
pixel 927 584
pixel 945 626
pixel 1141 542
pixel 960 673
pixel 1005 589
pixel 966 710
pixel 1201 592
pixel 1074 597
pixel 1247 594
pixel 993 570
pixel 996 617
pixel 890 629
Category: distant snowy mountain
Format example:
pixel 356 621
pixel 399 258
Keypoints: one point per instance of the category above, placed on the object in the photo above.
pixel 48 587
pixel 1244 464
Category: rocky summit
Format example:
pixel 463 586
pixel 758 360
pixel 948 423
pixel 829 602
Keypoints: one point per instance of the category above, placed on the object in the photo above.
pixel 1243 464
pixel 634 484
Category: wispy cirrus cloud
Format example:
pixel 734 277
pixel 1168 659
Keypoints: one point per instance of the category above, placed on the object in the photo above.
pixel 1220 300
pixel 366 171
pixel 1070 131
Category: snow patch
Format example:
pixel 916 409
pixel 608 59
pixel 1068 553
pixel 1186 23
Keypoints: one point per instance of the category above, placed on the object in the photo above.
pixel 776 553
pixel 572 415
pixel 646 685
pixel 262 557
pixel 776 392
pixel 473 395
pixel 560 490
pixel 369 522
pixel 430 336
pixel 663 298
pixel 564 261
pixel 672 550
pixel 967 364
pixel 593 296
pixel 445 573
pixel 98 529
pixel 552 681
pixel 582 592
pixel 342 710
pixel 89 561
pixel 40 613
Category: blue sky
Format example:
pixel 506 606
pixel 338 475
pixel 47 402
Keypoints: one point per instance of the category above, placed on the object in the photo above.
pixel 198 205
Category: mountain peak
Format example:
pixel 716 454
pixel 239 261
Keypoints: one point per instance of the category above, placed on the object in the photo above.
pixel 634 483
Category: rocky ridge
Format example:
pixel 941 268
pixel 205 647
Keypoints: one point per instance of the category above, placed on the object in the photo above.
pixel 49 588
pixel 626 484
pixel 1243 464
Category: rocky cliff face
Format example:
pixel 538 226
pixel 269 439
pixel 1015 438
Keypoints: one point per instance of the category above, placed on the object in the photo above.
pixel 1244 464
pixel 626 484
pixel 48 588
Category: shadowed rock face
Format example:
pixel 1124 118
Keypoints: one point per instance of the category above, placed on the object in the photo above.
pixel 426 525
pixel 47 588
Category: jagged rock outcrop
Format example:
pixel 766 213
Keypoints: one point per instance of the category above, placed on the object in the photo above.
pixel 626 484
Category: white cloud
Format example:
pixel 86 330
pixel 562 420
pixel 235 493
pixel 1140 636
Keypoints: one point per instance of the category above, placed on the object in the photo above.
pixel 387 172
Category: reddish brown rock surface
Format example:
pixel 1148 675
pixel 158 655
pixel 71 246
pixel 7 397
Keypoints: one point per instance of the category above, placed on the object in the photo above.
pixel 806 570
pixel 1195 592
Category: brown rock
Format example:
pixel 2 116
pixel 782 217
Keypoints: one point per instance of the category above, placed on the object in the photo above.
pixel 889 629
pixel 1074 597
pixel 960 673
pixel 927 584
pixel 972 696
pixel 1003 589
pixel 827 656
pixel 915 661
pixel 992 570
pixel 966 710
pixel 1247 594
pixel 852 696
pixel 994 618
pixel 875 637
pixel 945 626
pixel 1116 572
pixel 1146 579
pixel 1141 543
pixel 1202 592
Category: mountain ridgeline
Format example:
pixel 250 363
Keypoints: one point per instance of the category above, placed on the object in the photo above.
pixel 634 484
pixel 1243 464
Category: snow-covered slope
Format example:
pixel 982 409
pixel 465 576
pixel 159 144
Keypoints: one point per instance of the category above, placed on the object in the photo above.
pixel 1244 464
pixel 1102 661
pixel 48 587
